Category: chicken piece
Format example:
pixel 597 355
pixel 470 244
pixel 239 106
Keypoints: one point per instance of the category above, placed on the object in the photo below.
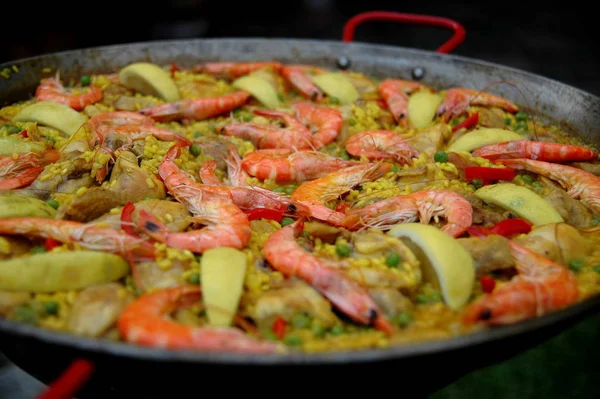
pixel 97 308
pixel 385 278
pixel 134 182
pixel 152 276
pixel 431 139
pixel 489 254
pixel 71 186
pixel 571 210
pixel 11 299
pixel 559 242
pixel 391 301
pixel 90 205
pixel 12 246
pixel 491 117
pixel 294 297
pixel 324 231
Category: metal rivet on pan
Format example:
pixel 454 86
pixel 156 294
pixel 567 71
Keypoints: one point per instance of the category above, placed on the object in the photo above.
pixel 343 62
pixel 418 73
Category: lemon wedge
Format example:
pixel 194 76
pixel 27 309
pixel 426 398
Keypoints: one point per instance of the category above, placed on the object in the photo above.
pixel 56 115
pixel 9 145
pixel 337 85
pixel 222 272
pixel 149 79
pixel 422 107
pixel 444 262
pixel 260 88
pixel 483 136
pixel 521 201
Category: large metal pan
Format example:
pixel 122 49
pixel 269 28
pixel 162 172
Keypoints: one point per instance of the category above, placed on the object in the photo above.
pixel 426 367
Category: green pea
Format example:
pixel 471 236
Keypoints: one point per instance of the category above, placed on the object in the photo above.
pixel 334 100
pixel 270 335
pixel 440 156
pixel 194 278
pixel 306 235
pixel 280 189
pixel 26 314
pixel 403 319
pixel 455 122
pixel 393 260
pixel 521 116
pixel 198 257
pixel 51 307
pixel 286 221
pixel 12 129
pixel 342 250
pixel 527 179
pixel 596 268
pixel 576 265
pixel 345 156
pixel 521 126
pixel 38 250
pixel 281 97
pixel 212 126
pixel 351 122
pixel 289 190
pixel 53 203
pixel 337 330
pixel 197 134
pixel 596 221
pixel 476 183
pixel 424 298
pixel 292 340
pixel 507 121
pixel 195 150
pixel 147 198
pixel 300 320
pixel 50 139
pixel 85 80
pixel 395 168
pixel 247 117
pixel 318 330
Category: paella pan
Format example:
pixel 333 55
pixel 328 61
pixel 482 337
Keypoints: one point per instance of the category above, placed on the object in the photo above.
pixel 273 206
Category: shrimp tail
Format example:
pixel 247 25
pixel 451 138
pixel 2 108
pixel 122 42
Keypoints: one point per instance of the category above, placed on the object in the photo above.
pixel 150 225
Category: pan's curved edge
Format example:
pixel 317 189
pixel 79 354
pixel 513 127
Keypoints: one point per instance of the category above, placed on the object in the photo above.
pixel 569 315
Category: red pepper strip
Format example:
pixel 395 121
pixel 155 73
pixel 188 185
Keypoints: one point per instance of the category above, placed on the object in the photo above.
pixel 483 173
pixel 67 385
pixel 264 213
pixel 51 243
pixel 487 284
pixel 467 123
pixel 279 327
pixel 126 220
pixel 24 133
pixel 511 227
pixel 342 207
pixel 478 231
pixel 174 68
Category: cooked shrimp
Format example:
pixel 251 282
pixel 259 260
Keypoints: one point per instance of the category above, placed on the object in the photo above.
pixel 51 89
pixel 579 184
pixel 140 132
pixel 86 235
pixel 395 94
pixel 245 197
pixel 315 194
pixel 296 75
pixel 542 286
pixel 22 171
pixel 538 150
pixel 457 100
pixel 225 224
pixel 381 144
pixel 132 124
pixel 383 214
pixel 234 69
pixel 325 123
pixel 145 322
pixel 207 173
pixel 286 255
pixel 457 211
pixel 294 136
pixel 198 108
pixel 284 165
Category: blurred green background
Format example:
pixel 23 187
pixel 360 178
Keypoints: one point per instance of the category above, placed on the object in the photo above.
pixel 566 366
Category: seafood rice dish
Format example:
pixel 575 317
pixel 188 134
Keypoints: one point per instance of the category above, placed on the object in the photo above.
pixel 270 208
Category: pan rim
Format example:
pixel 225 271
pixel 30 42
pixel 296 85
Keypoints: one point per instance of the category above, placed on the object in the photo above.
pixel 401 351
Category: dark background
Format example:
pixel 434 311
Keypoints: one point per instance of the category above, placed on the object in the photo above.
pixel 557 41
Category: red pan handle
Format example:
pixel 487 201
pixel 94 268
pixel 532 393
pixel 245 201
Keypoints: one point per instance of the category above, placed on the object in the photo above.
pixel 457 38
pixel 70 381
